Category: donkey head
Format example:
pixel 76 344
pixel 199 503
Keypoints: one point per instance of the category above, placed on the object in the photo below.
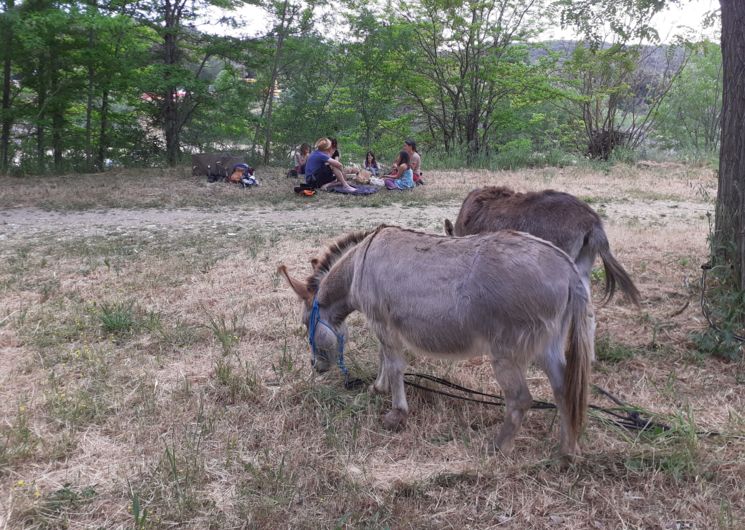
pixel 326 340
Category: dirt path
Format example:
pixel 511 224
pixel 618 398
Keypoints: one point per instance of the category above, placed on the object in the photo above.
pixel 25 222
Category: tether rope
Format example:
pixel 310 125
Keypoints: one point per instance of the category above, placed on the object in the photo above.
pixel 625 416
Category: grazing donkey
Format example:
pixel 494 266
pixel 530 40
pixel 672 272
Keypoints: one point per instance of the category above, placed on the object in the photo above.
pixel 558 217
pixel 509 295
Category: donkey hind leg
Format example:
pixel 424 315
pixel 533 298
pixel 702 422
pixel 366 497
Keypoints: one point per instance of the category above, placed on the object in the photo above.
pixel 584 265
pixel 391 375
pixel 554 364
pixel 511 378
pixel 382 384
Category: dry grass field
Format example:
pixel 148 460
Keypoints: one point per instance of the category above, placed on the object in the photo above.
pixel 154 372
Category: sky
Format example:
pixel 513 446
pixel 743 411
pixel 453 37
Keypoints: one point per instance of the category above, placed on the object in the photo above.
pixel 668 23
pixel 672 21
pixel 691 15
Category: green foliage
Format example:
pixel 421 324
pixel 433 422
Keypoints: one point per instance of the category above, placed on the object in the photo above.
pixel 96 86
pixel 628 20
pixel 690 117
pixel 724 306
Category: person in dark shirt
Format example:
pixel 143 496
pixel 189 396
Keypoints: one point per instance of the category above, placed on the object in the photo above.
pixel 322 171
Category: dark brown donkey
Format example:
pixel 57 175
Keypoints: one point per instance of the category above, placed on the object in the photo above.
pixel 558 217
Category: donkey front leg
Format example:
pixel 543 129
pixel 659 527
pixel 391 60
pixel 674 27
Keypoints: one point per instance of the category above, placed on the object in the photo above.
pixel 511 378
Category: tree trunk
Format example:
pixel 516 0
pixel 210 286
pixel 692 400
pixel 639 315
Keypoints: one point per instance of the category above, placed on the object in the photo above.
pixel 171 127
pixel 7 120
pixel 103 139
pixel 729 228
pixel 58 113
pixel 170 103
pixel 89 108
pixel 91 86
pixel 41 103
pixel 266 113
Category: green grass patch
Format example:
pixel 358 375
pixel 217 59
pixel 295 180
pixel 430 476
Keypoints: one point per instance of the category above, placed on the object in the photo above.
pixel 17 441
pixel 609 351
pixel 56 509
pixel 117 318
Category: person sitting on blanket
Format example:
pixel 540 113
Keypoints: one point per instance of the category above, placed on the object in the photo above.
pixel 393 173
pixel 322 171
pixel 300 158
pixel 405 175
pixel 416 160
pixel 371 164
pixel 337 156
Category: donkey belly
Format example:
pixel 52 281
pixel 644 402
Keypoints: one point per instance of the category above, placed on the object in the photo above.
pixel 465 332
pixel 449 348
pixel 502 294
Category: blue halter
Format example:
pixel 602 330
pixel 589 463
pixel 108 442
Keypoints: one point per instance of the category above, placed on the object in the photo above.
pixel 315 319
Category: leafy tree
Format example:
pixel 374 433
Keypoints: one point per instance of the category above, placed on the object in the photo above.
pixel 374 69
pixel 49 75
pixel 616 97
pixel 175 78
pixel 690 117
pixel 9 21
pixel 464 65
pixel 224 121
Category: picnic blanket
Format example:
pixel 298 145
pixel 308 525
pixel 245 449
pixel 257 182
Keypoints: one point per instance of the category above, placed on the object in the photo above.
pixel 360 189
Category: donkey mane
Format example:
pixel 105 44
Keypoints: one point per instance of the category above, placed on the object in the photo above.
pixel 336 250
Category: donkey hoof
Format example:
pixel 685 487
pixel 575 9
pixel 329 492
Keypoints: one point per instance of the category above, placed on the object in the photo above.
pixel 394 420
pixel 568 461
pixel 503 447
pixel 570 456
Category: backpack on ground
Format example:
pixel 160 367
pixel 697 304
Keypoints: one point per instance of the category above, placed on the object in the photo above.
pixel 243 174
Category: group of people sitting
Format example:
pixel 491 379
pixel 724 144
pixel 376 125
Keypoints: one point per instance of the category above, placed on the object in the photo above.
pixel 323 169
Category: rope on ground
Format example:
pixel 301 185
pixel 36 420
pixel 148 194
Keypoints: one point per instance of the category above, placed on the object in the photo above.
pixel 625 416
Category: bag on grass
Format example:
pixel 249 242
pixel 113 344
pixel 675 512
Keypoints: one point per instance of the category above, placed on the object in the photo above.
pixel 243 174
pixel 304 190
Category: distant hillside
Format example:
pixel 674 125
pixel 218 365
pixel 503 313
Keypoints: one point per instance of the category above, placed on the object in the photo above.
pixel 655 60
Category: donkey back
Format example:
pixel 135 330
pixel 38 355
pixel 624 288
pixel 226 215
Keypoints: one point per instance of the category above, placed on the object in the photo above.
pixel 555 216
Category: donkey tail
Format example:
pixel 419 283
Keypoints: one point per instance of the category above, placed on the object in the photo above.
pixel 615 274
pixel 578 357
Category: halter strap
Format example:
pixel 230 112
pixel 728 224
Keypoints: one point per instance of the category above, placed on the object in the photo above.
pixel 315 319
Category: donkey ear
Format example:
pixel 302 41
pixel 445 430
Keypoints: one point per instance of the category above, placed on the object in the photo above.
pixel 299 287
pixel 448 227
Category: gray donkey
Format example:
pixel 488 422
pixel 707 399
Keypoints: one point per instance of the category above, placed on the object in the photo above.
pixel 558 217
pixel 509 295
